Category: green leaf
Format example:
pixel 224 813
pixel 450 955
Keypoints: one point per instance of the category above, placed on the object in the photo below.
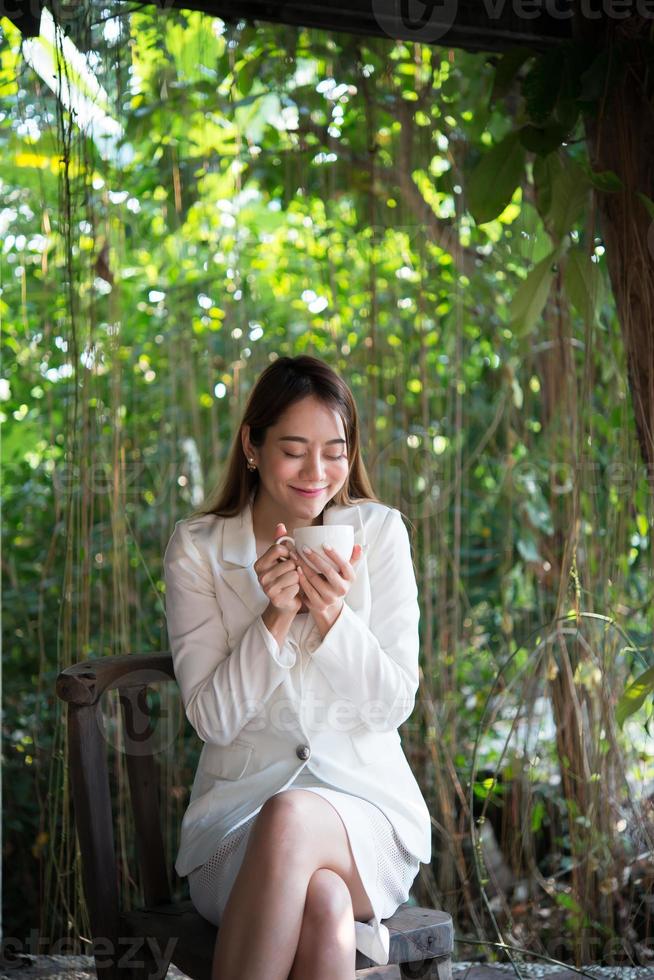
pixel 493 181
pixel 531 295
pixel 570 187
pixel 543 139
pixel 634 696
pixel 605 180
pixel 506 71
pixel 531 240
pixel 562 188
pixel 247 75
pixel 567 901
pixel 542 85
pixel 545 170
pixel 584 285
pixel 19 441
pixel 537 815
pixel 566 113
pixel 648 202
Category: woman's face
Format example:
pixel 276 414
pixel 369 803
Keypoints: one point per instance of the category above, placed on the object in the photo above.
pixel 305 450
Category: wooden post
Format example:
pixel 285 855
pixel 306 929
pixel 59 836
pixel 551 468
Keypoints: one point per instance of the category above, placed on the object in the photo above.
pixel 620 137
pixel 144 792
pixel 93 819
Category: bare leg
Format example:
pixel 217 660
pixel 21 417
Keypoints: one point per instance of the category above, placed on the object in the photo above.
pixel 326 949
pixel 296 833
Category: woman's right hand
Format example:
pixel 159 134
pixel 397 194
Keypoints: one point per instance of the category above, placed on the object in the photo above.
pixel 279 579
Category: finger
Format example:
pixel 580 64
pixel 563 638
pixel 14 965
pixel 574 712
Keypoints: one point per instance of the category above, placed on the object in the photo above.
pixel 309 573
pixel 310 590
pixel 324 566
pixel 279 551
pixel 314 577
pixel 359 554
pixel 318 587
pixel 282 585
pixel 345 568
pixel 334 557
pixel 285 573
pixel 279 573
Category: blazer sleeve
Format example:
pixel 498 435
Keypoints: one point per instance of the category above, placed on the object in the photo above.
pixel 376 667
pixel 221 688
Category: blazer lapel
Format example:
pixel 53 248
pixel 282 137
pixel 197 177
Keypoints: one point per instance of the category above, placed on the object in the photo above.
pixel 239 551
pixel 238 557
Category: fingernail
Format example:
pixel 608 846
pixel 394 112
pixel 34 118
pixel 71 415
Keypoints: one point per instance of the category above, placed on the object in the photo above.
pixel 306 549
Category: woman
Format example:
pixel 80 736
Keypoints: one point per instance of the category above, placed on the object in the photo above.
pixel 306 826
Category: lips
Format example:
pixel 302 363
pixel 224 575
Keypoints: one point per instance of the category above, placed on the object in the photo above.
pixel 309 493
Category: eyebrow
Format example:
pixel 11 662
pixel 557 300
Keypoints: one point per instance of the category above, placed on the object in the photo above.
pixel 302 439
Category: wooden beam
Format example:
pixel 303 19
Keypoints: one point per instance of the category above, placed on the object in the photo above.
pixel 476 25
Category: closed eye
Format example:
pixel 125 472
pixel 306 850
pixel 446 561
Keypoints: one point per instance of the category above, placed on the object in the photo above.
pixel 299 456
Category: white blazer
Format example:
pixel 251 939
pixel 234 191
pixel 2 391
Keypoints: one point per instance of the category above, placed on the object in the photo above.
pixel 242 694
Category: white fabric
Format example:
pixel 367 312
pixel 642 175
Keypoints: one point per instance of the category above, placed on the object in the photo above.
pixel 386 867
pixel 252 706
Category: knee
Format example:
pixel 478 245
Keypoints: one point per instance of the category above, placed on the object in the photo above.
pixel 328 904
pixel 283 828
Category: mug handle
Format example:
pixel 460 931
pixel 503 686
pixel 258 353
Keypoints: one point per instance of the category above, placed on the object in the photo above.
pixel 285 537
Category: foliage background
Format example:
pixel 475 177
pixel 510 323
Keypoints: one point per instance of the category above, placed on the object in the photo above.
pixel 423 219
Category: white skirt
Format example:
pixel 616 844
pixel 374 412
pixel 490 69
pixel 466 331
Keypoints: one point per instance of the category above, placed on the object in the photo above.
pixel 386 868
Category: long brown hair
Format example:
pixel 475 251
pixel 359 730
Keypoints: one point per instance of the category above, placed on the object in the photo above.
pixel 284 382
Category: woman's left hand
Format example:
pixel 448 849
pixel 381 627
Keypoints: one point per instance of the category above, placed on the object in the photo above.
pixel 325 590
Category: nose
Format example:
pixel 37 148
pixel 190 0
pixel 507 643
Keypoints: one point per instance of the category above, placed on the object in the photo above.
pixel 314 467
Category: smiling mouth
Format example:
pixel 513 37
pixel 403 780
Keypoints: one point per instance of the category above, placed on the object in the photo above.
pixel 302 490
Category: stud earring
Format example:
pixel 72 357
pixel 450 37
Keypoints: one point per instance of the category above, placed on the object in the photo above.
pixel 250 462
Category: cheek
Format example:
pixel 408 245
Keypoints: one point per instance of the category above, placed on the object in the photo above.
pixel 338 471
pixel 287 468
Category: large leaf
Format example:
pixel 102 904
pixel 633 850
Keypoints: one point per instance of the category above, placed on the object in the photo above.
pixel 493 181
pixel 531 295
pixel 542 85
pixel 543 139
pixel 606 181
pixel 531 240
pixel 562 189
pixel 507 70
pixel 570 191
pixel 545 170
pixel 634 696
pixel 584 285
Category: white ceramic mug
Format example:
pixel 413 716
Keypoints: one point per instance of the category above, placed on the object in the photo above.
pixel 339 536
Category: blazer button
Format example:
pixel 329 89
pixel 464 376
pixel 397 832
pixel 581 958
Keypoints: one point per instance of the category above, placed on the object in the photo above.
pixel 303 752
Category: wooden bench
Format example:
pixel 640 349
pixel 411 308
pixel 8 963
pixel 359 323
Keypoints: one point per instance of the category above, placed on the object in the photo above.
pixel 141 943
